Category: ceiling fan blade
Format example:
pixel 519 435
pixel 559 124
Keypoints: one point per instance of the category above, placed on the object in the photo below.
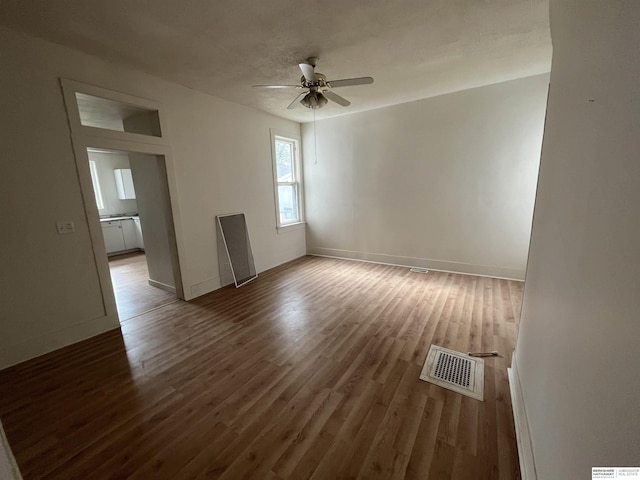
pixel 336 98
pixel 347 82
pixel 296 102
pixel 308 71
pixel 277 86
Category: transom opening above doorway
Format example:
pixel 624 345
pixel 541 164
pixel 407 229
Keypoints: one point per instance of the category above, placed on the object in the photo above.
pixel 119 116
pixel 97 111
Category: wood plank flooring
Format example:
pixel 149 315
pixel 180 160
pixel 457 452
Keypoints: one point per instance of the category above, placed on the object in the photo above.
pixel 310 371
pixel 130 279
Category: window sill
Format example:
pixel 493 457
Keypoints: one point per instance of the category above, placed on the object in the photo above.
pixel 290 227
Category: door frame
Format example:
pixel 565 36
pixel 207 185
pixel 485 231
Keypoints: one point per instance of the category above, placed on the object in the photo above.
pixel 80 145
pixel 83 138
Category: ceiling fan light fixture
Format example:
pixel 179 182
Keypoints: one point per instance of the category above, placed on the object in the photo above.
pixel 314 100
pixel 322 100
pixel 306 100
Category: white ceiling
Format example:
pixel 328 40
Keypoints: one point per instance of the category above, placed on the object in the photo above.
pixel 413 48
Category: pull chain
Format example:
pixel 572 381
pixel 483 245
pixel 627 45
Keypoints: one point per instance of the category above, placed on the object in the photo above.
pixel 315 137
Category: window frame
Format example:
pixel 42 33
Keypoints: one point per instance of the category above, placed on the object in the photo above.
pixel 297 180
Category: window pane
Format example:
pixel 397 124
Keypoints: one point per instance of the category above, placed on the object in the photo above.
pixel 288 202
pixel 284 161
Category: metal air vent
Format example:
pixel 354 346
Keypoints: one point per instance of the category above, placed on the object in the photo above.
pixel 454 371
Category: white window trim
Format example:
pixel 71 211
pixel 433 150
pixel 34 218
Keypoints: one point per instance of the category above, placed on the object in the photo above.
pixel 276 134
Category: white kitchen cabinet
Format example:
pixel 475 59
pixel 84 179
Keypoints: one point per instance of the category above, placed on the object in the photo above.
pixel 112 233
pixel 129 234
pixel 139 238
pixel 124 183
pixel 122 235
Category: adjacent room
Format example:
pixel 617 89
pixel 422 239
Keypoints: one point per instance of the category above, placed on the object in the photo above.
pixel 135 271
pixel 437 207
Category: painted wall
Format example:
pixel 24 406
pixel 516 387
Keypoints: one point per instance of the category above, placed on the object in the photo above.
pixel 577 351
pixel 106 163
pixel 222 162
pixel 445 183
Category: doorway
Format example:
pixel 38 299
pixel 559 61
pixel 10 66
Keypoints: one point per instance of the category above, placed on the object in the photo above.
pixel 138 228
pixel 132 200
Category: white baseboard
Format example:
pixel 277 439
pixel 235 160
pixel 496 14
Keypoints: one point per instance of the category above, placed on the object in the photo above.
pixel 523 437
pixel 162 286
pixel 429 264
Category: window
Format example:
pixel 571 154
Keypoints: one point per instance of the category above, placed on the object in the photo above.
pixel 287 174
pixel 96 184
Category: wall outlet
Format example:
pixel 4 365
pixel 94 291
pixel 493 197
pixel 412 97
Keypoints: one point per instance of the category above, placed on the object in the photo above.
pixel 66 226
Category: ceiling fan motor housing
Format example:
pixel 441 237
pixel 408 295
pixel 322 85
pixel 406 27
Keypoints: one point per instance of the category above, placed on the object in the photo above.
pixel 321 81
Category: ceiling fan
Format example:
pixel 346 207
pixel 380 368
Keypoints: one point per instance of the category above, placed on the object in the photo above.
pixel 318 90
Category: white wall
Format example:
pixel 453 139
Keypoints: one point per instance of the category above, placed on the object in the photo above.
pixel 222 163
pixel 445 183
pixel 106 163
pixel 577 351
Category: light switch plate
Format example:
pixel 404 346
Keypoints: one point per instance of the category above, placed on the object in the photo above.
pixel 66 226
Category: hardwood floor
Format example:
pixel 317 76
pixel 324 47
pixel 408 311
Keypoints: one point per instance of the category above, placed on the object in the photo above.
pixel 310 371
pixel 130 279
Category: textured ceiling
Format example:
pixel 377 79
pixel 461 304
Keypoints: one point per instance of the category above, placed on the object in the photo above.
pixel 413 48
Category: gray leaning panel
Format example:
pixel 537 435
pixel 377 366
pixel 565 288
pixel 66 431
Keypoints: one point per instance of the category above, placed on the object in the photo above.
pixel 235 241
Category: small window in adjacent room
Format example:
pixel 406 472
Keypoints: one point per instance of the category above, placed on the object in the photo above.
pixel 96 184
pixel 287 173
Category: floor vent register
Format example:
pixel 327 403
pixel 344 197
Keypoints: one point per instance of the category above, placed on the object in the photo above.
pixel 454 371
